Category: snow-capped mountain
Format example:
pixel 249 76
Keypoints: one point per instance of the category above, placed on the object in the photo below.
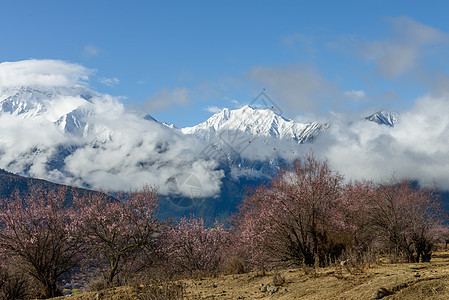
pixel 384 118
pixel 68 108
pixel 256 123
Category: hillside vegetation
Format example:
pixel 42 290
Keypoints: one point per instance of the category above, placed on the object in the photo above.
pixel 397 281
pixel 307 217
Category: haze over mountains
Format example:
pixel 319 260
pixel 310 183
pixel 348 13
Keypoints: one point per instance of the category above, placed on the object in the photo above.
pixel 53 126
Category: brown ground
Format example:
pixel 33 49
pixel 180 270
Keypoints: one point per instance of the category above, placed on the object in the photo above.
pixel 404 281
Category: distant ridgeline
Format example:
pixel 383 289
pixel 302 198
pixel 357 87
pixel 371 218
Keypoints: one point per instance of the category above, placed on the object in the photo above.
pixel 10 182
pixel 171 207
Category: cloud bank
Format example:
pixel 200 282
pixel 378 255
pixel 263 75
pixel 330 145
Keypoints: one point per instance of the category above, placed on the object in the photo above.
pixel 95 141
pixel 42 73
pixel 416 148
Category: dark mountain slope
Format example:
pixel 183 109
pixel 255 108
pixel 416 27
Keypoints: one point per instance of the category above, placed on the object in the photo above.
pixel 10 182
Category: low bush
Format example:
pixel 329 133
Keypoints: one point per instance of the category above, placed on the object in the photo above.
pixel 162 290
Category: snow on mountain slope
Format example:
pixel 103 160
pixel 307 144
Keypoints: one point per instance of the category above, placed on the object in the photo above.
pixel 66 107
pixel 384 118
pixel 258 123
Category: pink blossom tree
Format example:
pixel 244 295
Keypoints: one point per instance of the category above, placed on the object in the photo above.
pixel 41 235
pixel 117 230
pixel 189 246
pixel 296 218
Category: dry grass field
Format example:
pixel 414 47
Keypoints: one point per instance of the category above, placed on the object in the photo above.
pixel 396 281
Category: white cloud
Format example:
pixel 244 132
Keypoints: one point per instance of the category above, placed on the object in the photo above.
pixel 46 73
pixel 402 52
pixel 212 109
pixel 166 98
pixel 140 152
pixel 355 94
pixel 27 144
pixel 90 50
pixel 110 81
pixel 416 148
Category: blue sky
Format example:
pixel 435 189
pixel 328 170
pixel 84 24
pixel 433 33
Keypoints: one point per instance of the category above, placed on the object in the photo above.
pixel 180 60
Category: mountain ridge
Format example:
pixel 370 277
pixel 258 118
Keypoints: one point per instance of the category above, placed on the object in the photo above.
pixel 262 123
pixel 384 117
pixel 10 183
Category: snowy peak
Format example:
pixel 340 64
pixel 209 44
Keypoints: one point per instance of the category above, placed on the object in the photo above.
pixel 153 119
pixel 53 102
pixel 66 107
pixel 384 118
pixel 256 122
pixel 23 101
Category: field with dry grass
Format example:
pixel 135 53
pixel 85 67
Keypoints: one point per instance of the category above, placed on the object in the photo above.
pixel 393 281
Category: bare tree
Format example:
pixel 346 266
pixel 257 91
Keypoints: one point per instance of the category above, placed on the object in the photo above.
pixel 407 218
pixel 42 235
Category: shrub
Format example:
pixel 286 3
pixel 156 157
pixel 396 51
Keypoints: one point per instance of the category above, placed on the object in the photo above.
pixel 116 231
pixel 190 247
pixel 234 265
pixel 162 290
pixel 407 219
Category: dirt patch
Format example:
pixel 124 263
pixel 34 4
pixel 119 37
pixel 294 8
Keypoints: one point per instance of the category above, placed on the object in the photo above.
pixel 401 281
